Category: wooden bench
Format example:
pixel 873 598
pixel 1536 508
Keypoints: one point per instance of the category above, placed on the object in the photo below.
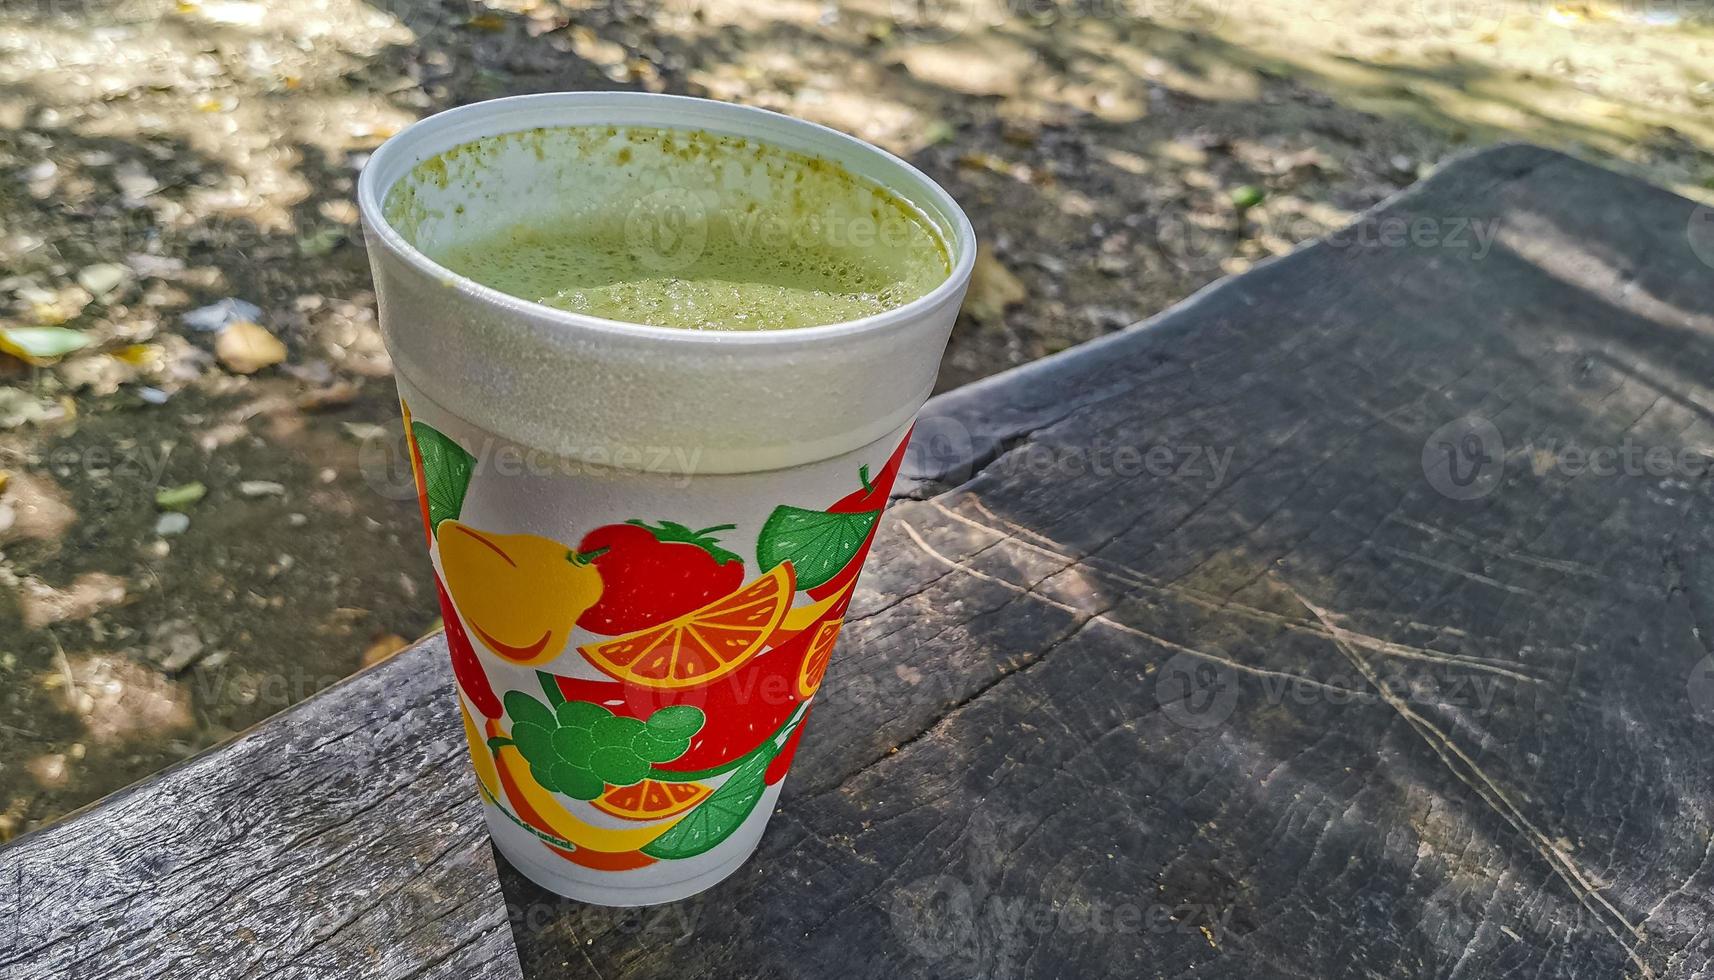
pixel 1219 647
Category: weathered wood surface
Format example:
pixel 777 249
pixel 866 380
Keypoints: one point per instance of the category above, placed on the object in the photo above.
pixel 1310 709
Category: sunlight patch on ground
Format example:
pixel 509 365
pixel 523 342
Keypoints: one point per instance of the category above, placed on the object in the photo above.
pixel 1569 76
pixel 119 700
pixel 88 593
pixel 987 65
pixel 37 508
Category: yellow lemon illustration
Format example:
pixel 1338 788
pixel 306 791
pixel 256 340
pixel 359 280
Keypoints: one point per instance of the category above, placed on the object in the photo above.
pixel 521 594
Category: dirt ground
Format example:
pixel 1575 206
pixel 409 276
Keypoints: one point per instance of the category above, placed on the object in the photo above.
pixel 156 158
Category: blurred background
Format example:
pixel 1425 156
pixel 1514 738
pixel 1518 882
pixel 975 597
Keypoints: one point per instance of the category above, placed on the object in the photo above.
pixel 204 516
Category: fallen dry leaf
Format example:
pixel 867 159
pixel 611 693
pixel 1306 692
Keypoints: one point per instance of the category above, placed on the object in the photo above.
pixel 383 647
pixel 142 356
pixel 992 288
pixel 50 309
pixel 99 374
pixel 332 396
pixel 20 408
pixel 246 348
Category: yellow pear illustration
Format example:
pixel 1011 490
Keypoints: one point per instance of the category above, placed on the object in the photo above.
pixel 520 594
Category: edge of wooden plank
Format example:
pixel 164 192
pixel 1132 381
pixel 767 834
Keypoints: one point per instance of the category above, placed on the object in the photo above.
pixel 431 645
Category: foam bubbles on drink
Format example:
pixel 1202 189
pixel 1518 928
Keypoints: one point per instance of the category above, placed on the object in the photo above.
pixel 685 229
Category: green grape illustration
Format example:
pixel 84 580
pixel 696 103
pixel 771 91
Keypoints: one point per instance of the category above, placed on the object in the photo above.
pixel 579 748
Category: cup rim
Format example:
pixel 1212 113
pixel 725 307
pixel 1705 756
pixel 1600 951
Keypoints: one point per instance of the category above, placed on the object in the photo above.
pixel 430 136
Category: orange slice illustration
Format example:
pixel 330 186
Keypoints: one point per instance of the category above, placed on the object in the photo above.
pixel 703 645
pixel 651 800
pixel 814 668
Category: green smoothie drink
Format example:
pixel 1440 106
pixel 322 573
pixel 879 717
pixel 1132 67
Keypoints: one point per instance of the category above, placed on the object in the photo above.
pixel 830 249
pixel 659 359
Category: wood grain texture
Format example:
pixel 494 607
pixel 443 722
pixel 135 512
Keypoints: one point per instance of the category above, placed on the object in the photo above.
pixel 1179 657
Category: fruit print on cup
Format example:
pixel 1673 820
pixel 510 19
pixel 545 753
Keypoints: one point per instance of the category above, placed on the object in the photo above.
pixel 698 667
pixel 703 645
pixel 521 593
pixel 650 573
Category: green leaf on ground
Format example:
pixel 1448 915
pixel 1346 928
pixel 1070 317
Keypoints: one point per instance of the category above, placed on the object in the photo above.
pixel 40 345
pixel 179 497
pixel 818 544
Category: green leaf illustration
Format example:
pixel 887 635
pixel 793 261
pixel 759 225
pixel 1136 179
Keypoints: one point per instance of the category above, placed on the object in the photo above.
pixel 818 544
pixel 446 470
pixel 550 687
pixel 717 817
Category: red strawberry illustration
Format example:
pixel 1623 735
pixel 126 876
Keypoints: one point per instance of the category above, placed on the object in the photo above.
pixel 653 573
